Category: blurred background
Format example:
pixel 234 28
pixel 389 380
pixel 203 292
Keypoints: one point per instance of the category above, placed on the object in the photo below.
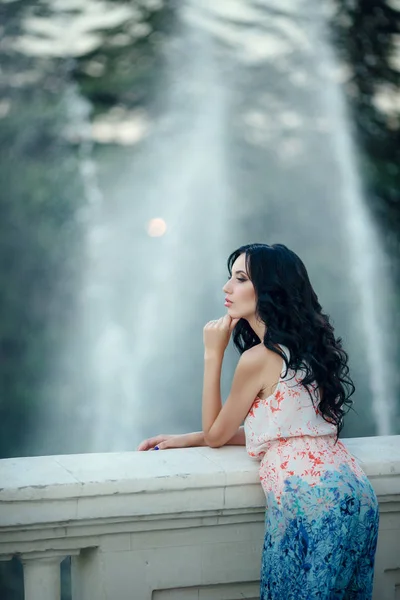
pixel 141 142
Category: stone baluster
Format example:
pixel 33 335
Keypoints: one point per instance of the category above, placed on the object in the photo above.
pixel 42 579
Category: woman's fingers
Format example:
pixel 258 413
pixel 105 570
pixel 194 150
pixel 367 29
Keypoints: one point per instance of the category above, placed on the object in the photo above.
pixel 222 323
pixel 171 441
pixel 151 442
pixel 162 442
pixel 143 445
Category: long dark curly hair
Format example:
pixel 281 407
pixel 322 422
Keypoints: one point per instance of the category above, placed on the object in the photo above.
pixel 289 307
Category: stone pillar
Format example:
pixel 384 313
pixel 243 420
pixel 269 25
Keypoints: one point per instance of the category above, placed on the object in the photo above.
pixel 42 575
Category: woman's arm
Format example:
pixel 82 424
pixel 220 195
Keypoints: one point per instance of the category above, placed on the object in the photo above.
pixel 187 440
pixel 197 439
pixel 220 423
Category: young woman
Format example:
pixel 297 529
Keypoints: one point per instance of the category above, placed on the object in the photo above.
pixel 291 388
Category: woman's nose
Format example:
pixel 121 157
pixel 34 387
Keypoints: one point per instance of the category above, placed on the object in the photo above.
pixel 226 288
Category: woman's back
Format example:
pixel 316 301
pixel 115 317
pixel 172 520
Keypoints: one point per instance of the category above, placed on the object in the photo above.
pixel 288 434
pixel 290 411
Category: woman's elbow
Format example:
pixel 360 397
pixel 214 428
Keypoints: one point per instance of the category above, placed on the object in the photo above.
pixel 212 441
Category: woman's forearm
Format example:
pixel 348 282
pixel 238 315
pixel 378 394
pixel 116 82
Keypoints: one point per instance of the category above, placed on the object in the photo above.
pixel 197 439
pixel 211 404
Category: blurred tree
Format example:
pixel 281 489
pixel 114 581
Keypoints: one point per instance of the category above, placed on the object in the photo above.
pixel 367 35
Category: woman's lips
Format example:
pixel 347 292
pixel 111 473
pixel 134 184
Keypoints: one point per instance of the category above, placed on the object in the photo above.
pixel 228 302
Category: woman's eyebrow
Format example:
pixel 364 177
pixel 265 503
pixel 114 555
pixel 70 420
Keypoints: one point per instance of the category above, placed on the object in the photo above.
pixel 237 272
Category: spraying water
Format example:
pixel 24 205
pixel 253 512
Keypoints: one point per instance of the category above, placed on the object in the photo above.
pixel 144 298
pixel 307 31
pixel 367 260
pixel 120 349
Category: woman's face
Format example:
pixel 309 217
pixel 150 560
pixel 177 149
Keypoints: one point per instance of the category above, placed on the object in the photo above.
pixel 240 294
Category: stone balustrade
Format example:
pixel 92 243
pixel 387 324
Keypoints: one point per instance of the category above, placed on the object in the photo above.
pixel 171 525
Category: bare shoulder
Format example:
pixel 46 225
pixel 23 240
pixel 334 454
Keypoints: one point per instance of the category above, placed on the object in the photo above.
pixel 255 357
pixel 259 352
pixel 264 364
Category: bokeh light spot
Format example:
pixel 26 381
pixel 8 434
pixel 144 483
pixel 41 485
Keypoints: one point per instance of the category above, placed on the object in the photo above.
pixel 156 227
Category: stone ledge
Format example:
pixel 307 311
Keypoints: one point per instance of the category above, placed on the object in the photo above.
pixel 68 489
pixel 80 475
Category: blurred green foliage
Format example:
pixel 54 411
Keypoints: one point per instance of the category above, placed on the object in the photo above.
pixel 367 40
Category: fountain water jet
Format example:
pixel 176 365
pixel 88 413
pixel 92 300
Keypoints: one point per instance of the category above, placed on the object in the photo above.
pixel 367 260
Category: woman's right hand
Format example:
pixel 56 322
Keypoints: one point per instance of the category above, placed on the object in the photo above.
pixel 163 442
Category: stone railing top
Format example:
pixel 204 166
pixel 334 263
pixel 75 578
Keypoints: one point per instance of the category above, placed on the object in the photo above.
pixel 78 475
pixel 90 485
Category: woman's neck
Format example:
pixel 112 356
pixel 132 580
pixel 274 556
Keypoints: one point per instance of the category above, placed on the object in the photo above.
pixel 258 327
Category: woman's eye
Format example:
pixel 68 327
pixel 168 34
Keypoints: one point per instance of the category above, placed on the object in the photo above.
pixel 242 280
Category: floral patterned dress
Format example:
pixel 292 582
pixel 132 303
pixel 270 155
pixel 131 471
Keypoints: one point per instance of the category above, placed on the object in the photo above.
pixel 322 516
